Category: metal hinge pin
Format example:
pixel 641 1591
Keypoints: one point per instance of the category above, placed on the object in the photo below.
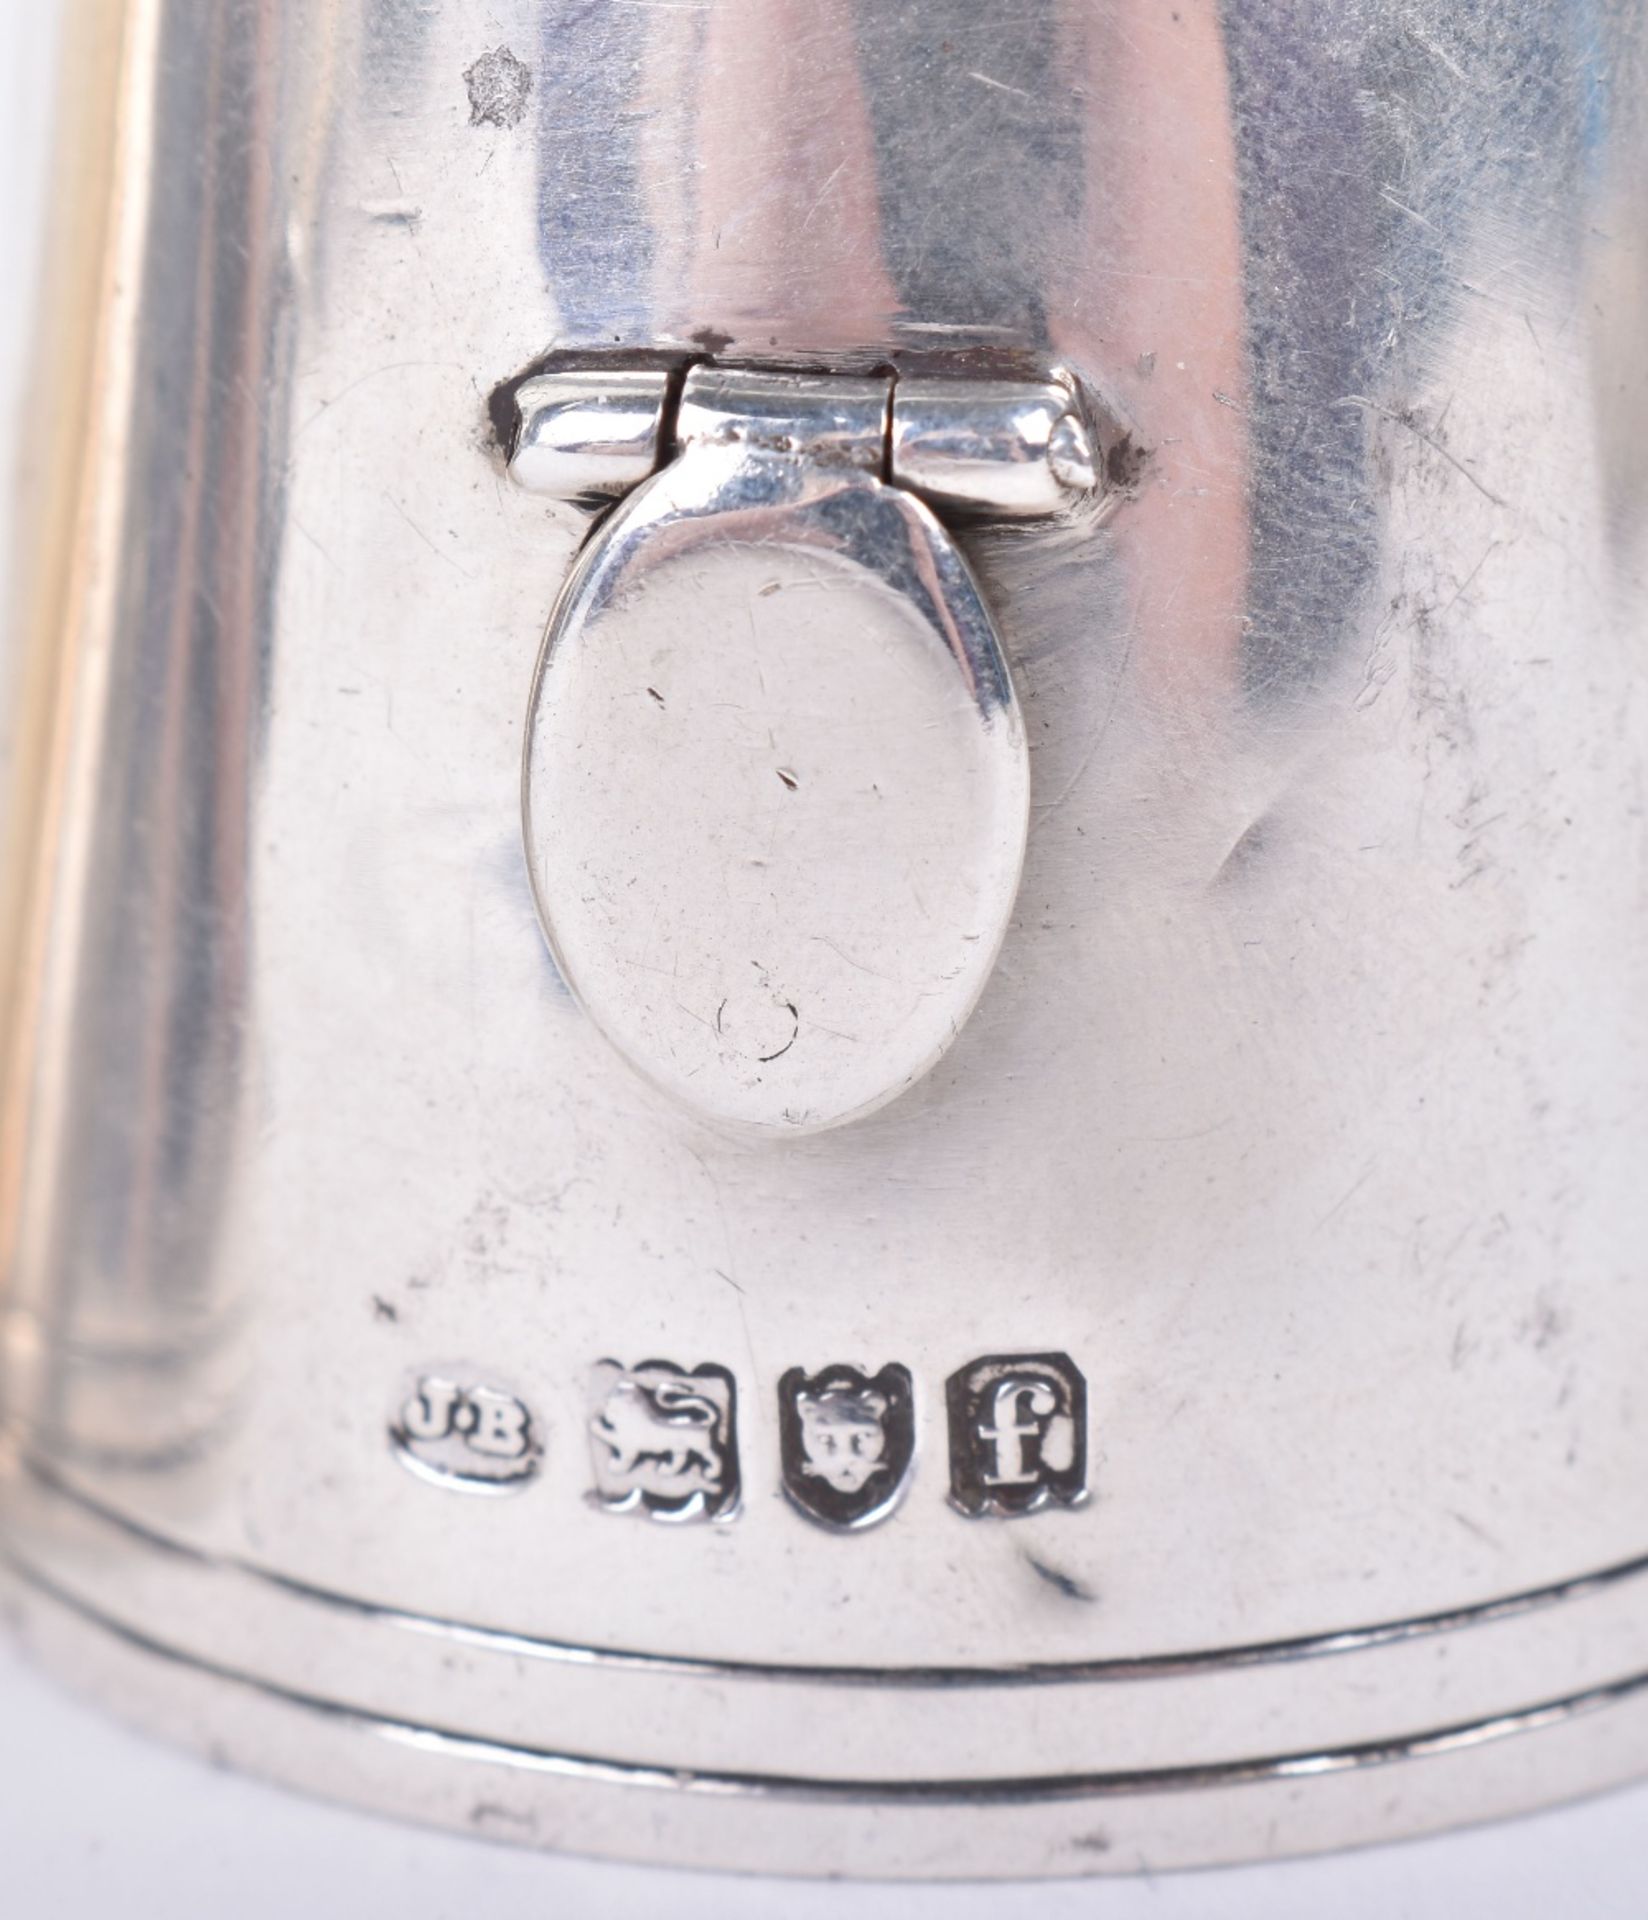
pixel 1007 448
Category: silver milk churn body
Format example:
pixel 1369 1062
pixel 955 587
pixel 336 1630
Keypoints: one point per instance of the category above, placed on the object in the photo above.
pixel 826 962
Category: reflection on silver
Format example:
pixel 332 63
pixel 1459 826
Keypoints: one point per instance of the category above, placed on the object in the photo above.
pixel 581 435
pixel 830 420
pixel 1001 447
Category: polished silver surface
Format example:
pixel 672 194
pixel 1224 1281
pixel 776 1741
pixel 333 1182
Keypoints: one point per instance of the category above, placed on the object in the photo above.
pixel 829 420
pixel 1003 446
pixel 1301 1118
pixel 580 435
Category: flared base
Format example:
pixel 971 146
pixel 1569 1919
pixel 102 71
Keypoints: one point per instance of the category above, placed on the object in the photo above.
pixel 1353 1739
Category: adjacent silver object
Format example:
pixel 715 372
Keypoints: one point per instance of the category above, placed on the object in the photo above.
pixel 1304 1108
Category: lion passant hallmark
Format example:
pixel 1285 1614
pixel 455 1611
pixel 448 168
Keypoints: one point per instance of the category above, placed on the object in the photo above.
pixel 663 1440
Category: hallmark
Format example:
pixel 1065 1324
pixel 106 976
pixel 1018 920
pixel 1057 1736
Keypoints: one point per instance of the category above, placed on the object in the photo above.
pixel 847 1440
pixel 1018 1434
pixel 477 1437
pixel 663 1440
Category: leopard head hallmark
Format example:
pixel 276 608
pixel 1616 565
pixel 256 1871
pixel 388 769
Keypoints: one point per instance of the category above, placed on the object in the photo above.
pixel 847 1441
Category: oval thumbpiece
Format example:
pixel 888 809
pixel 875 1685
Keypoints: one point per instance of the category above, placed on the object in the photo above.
pixel 775 788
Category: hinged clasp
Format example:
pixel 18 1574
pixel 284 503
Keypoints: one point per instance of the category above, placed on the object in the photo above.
pixel 776 781
pixel 1004 448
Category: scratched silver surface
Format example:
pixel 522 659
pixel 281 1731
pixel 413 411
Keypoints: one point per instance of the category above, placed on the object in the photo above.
pixel 1305 1110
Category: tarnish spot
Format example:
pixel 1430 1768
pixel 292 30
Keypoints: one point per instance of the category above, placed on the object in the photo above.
pixel 1125 461
pixel 498 86
pixel 1096 1840
pixel 1060 1581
